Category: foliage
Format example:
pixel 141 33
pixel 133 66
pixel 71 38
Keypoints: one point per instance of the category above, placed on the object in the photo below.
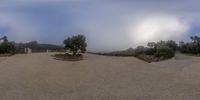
pixel 150 51
pixel 172 44
pixel 192 47
pixel 139 50
pixel 156 51
pixel 153 52
pixel 6 47
pixel 164 52
pixel 76 44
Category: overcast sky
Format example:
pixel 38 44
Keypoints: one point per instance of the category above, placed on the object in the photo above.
pixel 107 24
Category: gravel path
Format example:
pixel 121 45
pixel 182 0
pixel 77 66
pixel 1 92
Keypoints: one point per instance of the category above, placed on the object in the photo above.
pixel 39 77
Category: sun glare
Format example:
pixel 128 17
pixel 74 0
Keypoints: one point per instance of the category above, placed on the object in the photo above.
pixel 157 28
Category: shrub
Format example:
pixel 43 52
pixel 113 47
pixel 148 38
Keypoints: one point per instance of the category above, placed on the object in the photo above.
pixel 172 44
pixel 139 50
pixel 164 52
pixel 150 51
pixel 192 47
pixel 7 47
pixel 154 52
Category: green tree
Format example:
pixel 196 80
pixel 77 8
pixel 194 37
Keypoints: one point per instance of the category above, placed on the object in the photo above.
pixel 5 39
pixel 139 50
pixel 192 47
pixel 164 52
pixel 151 44
pixel 6 47
pixel 172 44
pixel 76 44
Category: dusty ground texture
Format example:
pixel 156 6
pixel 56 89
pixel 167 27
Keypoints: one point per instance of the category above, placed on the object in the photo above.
pixel 40 77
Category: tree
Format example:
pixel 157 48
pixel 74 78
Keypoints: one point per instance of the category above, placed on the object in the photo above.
pixel 5 39
pixel 172 44
pixel 151 44
pixel 6 47
pixel 195 39
pixel 192 47
pixel 139 50
pixel 164 52
pixel 75 44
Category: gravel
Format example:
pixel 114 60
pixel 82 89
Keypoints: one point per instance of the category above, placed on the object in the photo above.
pixel 38 76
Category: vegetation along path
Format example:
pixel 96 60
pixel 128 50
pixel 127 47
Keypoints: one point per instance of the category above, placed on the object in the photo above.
pixel 39 77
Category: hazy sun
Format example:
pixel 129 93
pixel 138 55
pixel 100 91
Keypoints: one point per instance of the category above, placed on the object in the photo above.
pixel 157 28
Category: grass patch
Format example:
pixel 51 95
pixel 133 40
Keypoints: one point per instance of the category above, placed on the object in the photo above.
pixel 67 57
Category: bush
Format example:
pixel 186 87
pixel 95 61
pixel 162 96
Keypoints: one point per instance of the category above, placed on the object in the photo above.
pixel 154 52
pixel 150 51
pixel 139 50
pixel 7 47
pixel 164 52
pixel 172 44
pixel 75 44
pixel 192 47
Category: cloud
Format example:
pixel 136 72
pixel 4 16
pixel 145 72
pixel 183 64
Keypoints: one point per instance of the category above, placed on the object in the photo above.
pixel 108 25
pixel 17 29
pixel 156 28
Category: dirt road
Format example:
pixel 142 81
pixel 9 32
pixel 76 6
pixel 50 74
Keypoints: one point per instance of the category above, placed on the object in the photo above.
pixel 39 77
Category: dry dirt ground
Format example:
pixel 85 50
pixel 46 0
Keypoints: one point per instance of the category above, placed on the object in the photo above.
pixel 39 77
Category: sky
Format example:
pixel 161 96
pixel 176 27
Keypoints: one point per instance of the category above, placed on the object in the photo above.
pixel 107 24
